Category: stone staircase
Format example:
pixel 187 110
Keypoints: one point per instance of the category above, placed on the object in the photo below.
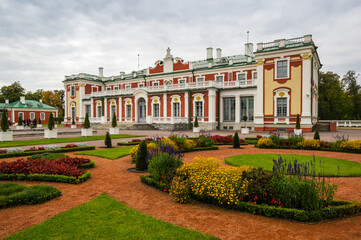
pixel 322 127
pixel 126 126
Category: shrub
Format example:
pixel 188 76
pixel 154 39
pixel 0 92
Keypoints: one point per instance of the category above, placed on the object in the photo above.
pixel 265 143
pixel 196 122
pixel 351 146
pixel 222 139
pixel 317 135
pixel 51 147
pixel 20 121
pixel 162 167
pixel 36 149
pixel 165 142
pixel 309 144
pixel 204 141
pixel 133 152
pixel 51 124
pixel 13 150
pixel 108 140
pixel 4 121
pixel 3 151
pixel 236 143
pixel 86 124
pixel 39 122
pixel 70 145
pixel 48 156
pixel 141 158
pixel 73 122
pixel 298 125
pixel 189 145
pixel 114 120
pixel 180 190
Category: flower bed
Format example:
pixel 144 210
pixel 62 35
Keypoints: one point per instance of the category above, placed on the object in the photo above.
pixel 226 140
pixel 64 169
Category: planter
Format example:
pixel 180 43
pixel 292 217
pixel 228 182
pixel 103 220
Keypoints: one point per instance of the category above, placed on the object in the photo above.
pixel 39 125
pixel 113 131
pixel 196 129
pixel 56 126
pixel 6 136
pixel 50 133
pixel 86 132
pixel 245 131
pixel 297 132
pixel 73 126
pixel 19 127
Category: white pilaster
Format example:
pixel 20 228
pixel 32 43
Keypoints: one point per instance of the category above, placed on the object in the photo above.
pixel 65 104
pixel 106 108
pixel 306 91
pixel 165 105
pixel 238 111
pixel 186 99
pixel 120 103
pixel 80 104
pixel 258 98
pixel 92 114
pixel 211 105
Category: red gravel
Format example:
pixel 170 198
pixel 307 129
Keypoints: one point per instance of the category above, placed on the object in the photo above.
pixel 111 177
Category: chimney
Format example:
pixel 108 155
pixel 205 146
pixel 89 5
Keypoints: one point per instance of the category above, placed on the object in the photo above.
pixel 41 100
pixel 248 49
pixel 22 99
pixel 100 72
pixel 6 101
pixel 219 53
pixel 209 53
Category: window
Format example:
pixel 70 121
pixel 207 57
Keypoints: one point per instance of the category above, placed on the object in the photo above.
pixel 254 75
pixel 113 110
pixel 247 107
pixel 42 116
pixel 282 69
pixel 219 78
pixel 155 84
pixel 241 76
pixel 176 109
pixel 141 85
pixel 108 88
pixel 72 91
pixel 229 109
pixel 168 83
pixel 129 111
pixel 200 79
pixel 116 88
pixel 182 82
pixel 32 116
pixel 72 112
pixel 88 110
pixel 127 87
pixel 156 110
pixel 21 115
pixel 281 107
pixel 199 109
pixel 99 111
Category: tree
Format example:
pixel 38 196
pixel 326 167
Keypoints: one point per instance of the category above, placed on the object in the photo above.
pixel 73 122
pixel 245 118
pixel 114 120
pixel 108 140
pixel 353 91
pixel 141 159
pixel 54 99
pixel 4 121
pixel 298 125
pixel 317 135
pixel 196 122
pixel 37 95
pixel 39 122
pixel 86 121
pixel 236 143
pixel 20 121
pixel 12 92
pixel 51 124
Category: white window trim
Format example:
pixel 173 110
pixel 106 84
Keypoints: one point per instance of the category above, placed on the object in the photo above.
pixel 157 82
pixel 96 107
pixel 197 79
pixel 277 95
pixel 158 102
pixel 42 118
pixel 288 67
pixel 128 86
pixel 254 72
pixel 128 119
pixel 72 95
pixel 108 88
pixel 22 114
pixel 116 87
pixel 180 105
pixel 112 102
pixel 141 83
pixel 168 81
pixel 30 115
pixel 242 73
pixel 219 75
pixel 195 96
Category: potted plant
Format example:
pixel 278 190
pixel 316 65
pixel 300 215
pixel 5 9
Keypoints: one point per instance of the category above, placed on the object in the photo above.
pixel 298 130
pixel 5 135
pixel 39 125
pixel 114 130
pixel 73 125
pixel 196 126
pixel 51 132
pixel 245 130
pixel 20 123
pixel 86 130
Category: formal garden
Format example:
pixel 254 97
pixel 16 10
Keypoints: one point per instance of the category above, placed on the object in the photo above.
pixel 228 172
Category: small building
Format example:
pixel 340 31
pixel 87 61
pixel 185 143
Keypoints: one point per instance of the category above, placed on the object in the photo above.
pixel 28 109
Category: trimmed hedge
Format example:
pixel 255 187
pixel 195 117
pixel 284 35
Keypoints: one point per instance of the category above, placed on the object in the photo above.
pixel 201 149
pixel 88 165
pixel 220 143
pixel 29 196
pixel 147 179
pixel 127 143
pixel 45 178
pixel 28 153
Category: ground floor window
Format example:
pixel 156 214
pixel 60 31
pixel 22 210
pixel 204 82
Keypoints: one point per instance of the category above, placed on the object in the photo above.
pixel 113 110
pixel 42 116
pixel 156 110
pixel 247 107
pixel 176 109
pixel 229 109
pixel 32 116
pixel 128 111
pixel 99 111
pixel 21 115
pixel 199 109
pixel 281 107
pixel 72 112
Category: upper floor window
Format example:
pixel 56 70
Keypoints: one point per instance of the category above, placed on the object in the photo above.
pixel 108 88
pixel 200 79
pixel 282 69
pixel 254 75
pixel 127 87
pixel 72 91
pixel 219 78
pixel 241 76
pixel 182 81
pixel 116 88
pixel 168 83
pixel 155 84
pixel 141 85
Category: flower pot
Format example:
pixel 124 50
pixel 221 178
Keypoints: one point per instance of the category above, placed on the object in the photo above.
pixel 113 131
pixel 245 131
pixel 73 126
pixel 56 126
pixel 19 127
pixel 39 125
pixel 50 133
pixel 196 129
pixel 86 132
pixel 6 136
pixel 297 132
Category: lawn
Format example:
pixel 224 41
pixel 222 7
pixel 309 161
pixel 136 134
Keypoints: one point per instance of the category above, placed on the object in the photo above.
pixel 111 153
pixel 106 218
pixel 347 168
pixel 61 140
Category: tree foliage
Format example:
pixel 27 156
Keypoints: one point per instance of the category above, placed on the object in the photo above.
pixel 114 120
pixel 108 140
pixel 51 123
pixel 55 99
pixel 37 95
pixel 4 121
pixel 86 121
pixel 13 92
pixel 236 142
pixel 353 93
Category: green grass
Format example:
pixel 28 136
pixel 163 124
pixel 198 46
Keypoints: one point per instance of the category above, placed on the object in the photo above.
pixel 111 153
pixel 347 168
pixel 61 140
pixel 105 218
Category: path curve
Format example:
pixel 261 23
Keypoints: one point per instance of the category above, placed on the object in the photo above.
pixel 111 177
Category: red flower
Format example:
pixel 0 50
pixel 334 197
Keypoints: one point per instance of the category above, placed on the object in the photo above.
pixel 165 189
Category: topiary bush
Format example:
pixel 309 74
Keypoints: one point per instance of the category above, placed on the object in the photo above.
pixel 114 120
pixel 86 121
pixel 108 140
pixel 236 143
pixel 317 135
pixel 298 125
pixel 196 122
pixel 51 122
pixel 39 122
pixel 20 121
pixel 141 158
pixel 73 122
pixel 4 121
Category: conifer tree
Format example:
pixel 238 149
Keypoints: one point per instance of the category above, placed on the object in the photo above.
pixel 236 143
pixel 86 121
pixel 114 120
pixel 141 159
pixel 108 140
pixel 4 121
pixel 51 124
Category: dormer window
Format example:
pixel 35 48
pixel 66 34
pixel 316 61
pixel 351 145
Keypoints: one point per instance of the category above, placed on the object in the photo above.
pixel 168 83
pixel 116 88
pixel 155 84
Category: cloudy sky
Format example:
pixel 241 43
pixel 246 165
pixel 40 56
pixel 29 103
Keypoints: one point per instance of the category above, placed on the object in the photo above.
pixel 41 41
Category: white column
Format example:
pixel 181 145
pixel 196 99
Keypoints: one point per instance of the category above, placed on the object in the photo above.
pixel 186 109
pixel 258 98
pixel 164 105
pixel 106 109
pixel 211 105
pixel 91 109
pixel 120 108
pixel 238 112
pixel 306 92
pixel 80 104
pixel 65 104
pixel 12 115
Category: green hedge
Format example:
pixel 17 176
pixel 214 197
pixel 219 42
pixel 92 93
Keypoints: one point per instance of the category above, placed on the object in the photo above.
pixel 127 143
pixel 28 153
pixel 30 195
pixel 88 165
pixel 45 178
pixel 220 143
pixel 147 179
pixel 201 149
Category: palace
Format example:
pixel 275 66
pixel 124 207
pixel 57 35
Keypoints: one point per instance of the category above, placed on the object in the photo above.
pixel 270 86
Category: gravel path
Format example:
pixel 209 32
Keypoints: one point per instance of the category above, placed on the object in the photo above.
pixel 111 177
